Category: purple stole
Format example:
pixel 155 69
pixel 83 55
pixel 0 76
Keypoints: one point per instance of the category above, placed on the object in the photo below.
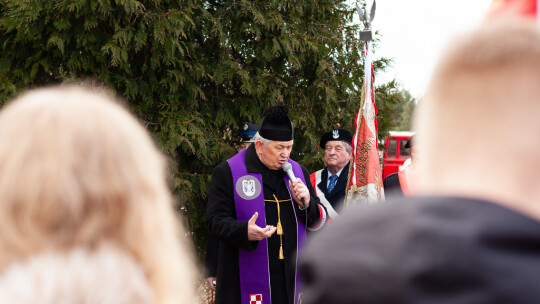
pixel 248 199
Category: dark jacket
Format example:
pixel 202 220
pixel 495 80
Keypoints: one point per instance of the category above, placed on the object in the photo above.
pixel 424 251
pixel 221 219
pixel 392 186
pixel 211 259
pixel 338 193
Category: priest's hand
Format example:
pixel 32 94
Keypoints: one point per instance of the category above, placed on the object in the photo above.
pixel 300 191
pixel 256 233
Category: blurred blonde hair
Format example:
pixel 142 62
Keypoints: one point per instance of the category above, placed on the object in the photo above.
pixel 77 171
pixel 103 275
pixel 479 119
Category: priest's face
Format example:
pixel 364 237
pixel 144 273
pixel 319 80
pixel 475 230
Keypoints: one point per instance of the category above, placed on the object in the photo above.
pixel 275 154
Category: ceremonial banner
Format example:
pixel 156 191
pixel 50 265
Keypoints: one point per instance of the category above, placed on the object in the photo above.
pixel 524 8
pixel 365 178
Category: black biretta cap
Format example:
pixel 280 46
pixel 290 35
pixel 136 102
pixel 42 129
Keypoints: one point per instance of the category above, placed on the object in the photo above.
pixel 276 124
pixel 336 134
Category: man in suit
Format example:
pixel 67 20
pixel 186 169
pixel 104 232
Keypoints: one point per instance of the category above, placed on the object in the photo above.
pixel 330 183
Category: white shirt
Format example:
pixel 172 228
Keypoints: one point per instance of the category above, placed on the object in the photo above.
pixel 330 174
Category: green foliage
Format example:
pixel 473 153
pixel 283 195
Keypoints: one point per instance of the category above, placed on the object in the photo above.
pixel 387 100
pixel 194 71
pixel 405 111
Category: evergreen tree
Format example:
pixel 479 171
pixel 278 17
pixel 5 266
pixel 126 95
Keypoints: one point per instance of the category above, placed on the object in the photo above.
pixel 194 71
pixel 405 111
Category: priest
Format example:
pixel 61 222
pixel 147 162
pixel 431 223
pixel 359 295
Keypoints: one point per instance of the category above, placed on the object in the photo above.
pixel 260 217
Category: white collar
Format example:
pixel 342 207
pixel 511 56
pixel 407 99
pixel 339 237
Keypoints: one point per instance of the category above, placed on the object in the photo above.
pixel 338 173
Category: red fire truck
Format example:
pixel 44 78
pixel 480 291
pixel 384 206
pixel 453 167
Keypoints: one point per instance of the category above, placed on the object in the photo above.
pixel 395 153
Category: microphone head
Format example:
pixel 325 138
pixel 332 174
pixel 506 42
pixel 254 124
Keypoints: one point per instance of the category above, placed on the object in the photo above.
pixel 286 167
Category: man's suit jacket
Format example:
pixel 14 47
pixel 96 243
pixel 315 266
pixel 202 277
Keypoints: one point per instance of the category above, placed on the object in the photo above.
pixel 338 193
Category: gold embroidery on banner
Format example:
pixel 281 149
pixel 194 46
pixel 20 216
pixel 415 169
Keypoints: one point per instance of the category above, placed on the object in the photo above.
pixel 378 185
pixel 357 195
pixel 362 157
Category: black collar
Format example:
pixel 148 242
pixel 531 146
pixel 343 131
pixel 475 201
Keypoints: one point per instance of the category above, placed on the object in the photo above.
pixel 253 163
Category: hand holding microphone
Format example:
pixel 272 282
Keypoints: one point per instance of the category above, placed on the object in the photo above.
pixel 299 191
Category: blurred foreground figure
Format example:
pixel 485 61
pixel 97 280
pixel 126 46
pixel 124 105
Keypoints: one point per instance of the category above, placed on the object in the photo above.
pixel 474 234
pixel 85 213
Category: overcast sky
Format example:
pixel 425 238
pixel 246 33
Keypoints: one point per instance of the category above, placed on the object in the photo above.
pixel 414 32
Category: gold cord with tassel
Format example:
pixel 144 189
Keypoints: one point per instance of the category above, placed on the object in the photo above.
pixel 279 230
pixel 279 227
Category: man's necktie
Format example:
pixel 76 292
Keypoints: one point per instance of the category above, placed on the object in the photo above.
pixel 332 184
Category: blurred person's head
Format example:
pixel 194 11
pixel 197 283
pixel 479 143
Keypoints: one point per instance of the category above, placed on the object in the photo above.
pixel 337 149
pixel 247 135
pixel 275 138
pixel 480 117
pixel 80 179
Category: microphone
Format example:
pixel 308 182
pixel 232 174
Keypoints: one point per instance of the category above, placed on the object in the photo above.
pixel 287 167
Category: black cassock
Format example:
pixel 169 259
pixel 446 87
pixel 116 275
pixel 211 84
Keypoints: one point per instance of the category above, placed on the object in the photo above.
pixel 232 235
